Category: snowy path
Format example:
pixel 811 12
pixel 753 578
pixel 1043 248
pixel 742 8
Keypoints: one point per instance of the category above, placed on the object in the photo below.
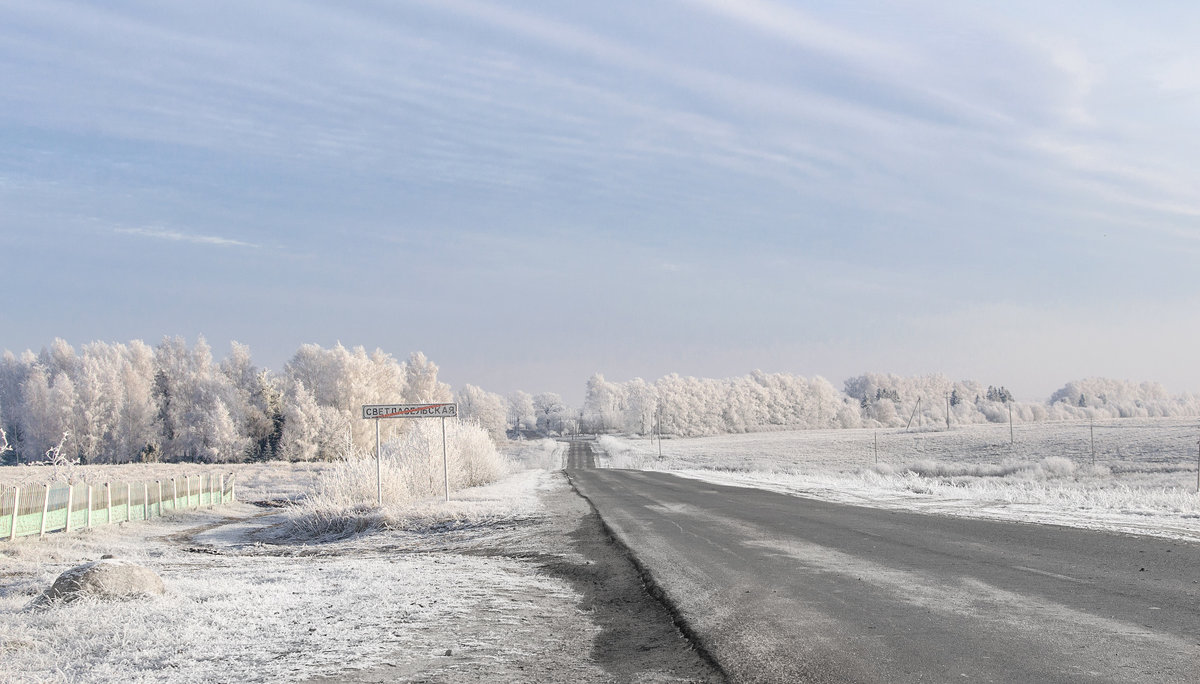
pixel 782 588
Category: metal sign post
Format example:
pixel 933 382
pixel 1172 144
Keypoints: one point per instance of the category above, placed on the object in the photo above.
pixel 378 468
pixel 445 462
pixel 377 412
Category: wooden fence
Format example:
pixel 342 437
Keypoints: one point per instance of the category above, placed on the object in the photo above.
pixel 62 507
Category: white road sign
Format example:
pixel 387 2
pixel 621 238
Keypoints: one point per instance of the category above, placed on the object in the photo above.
pixel 410 411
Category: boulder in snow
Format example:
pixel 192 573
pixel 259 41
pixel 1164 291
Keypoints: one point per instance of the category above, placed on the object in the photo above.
pixel 107 578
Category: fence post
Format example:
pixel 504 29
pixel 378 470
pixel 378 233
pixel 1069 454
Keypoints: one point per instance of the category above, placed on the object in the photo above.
pixel 89 515
pixel 159 483
pixel 70 502
pixel 128 502
pixel 188 481
pixel 108 499
pixel 145 501
pixel 174 495
pixel 221 487
pixel 45 506
pixel 12 533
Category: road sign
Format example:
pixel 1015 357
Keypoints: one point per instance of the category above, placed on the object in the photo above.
pixel 410 411
pixel 377 411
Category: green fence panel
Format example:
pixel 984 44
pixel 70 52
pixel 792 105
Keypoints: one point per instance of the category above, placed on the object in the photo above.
pixel 7 512
pixel 79 506
pixel 56 510
pixel 38 509
pixel 29 523
pixel 99 505
pixel 27 518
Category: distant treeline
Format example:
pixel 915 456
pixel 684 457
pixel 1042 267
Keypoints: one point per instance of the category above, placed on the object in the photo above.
pixel 116 403
pixel 687 406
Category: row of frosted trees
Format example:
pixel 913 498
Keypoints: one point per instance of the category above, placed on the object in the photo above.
pixel 113 403
pixel 688 406
pixel 174 402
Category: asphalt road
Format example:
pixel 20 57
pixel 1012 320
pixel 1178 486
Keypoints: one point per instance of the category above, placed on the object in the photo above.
pixel 781 588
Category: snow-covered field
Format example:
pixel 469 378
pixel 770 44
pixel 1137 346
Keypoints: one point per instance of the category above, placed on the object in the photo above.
pixel 1144 477
pixel 445 594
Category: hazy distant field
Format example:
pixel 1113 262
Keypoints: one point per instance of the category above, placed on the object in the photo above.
pixel 1144 477
pixel 1127 445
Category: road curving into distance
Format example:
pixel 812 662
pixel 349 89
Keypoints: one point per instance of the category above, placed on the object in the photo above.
pixel 782 588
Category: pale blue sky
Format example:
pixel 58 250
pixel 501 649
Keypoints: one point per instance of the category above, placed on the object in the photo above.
pixel 530 192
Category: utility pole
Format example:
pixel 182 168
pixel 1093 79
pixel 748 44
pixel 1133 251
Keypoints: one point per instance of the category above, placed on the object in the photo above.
pixel 1092 430
pixel 659 433
pixel 1011 440
pixel 914 414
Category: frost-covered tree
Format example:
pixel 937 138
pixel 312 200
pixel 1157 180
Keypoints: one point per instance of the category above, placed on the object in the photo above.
pixel 136 434
pixel 311 431
pixel 603 404
pixel 521 413
pixel 553 416
pixel 421 379
pixel 6 450
pixel 197 405
pixel 258 406
pixel 45 413
pixel 641 406
pixel 485 408
pixel 1103 397
pixel 345 379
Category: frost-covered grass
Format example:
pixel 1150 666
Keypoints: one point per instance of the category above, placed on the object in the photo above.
pixel 1143 478
pixel 270 480
pixel 289 610
pixel 411 472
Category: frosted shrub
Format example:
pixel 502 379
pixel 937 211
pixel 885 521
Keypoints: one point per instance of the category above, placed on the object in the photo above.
pixel 412 470
pixel 1051 467
pixel 1057 466
pixel 994 412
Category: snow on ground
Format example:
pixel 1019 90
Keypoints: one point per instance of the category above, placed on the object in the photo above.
pixel 1144 479
pixel 448 597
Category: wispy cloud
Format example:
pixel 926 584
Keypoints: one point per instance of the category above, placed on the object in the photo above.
pixel 805 31
pixel 177 236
